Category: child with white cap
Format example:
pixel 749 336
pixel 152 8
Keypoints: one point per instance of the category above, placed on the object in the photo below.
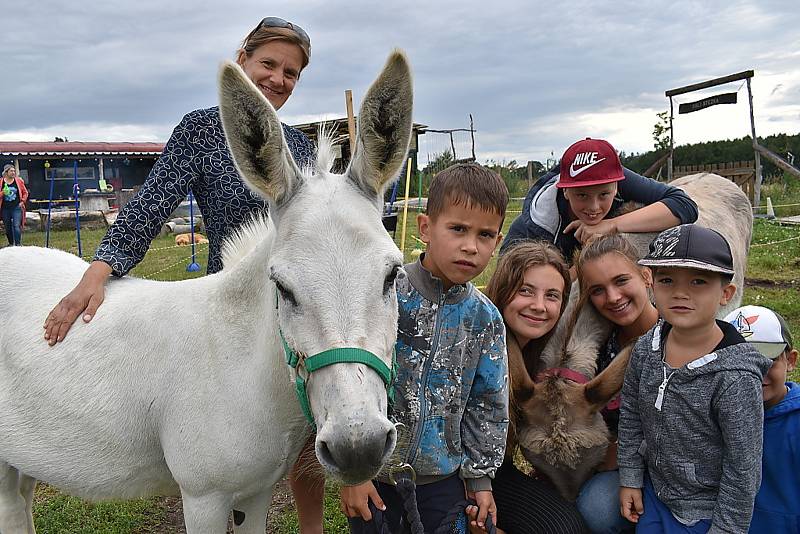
pixel 691 420
pixel 777 506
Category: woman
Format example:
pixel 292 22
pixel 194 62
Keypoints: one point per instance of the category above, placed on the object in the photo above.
pixel 13 195
pixel 618 288
pixel 530 287
pixel 197 158
pixel 567 206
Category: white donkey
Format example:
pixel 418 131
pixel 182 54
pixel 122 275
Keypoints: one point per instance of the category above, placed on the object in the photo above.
pixel 125 407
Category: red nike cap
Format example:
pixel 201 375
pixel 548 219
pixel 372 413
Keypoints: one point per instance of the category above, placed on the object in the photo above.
pixel 590 162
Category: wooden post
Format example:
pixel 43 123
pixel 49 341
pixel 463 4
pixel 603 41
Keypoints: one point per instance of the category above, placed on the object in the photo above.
pixel 671 144
pixel 529 173
pixel 405 209
pixel 351 121
pixel 757 192
pixel 472 136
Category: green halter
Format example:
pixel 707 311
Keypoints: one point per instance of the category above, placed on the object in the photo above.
pixel 330 357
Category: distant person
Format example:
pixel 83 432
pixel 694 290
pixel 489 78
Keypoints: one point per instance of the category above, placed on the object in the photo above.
pixel 692 415
pixel 196 158
pixel 777 506
pixel 579 198
pixel 13 195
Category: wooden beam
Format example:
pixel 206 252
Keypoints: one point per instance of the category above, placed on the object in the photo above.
pixel 658 163
pixel 351 120
pixel 757 193
pixel 710 83
pixel 777 160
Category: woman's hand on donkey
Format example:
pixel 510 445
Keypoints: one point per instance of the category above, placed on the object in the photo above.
pixel 87 296
pixel 355 500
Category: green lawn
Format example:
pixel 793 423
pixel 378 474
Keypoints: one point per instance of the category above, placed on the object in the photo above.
pixel 774 256
pixel 55 513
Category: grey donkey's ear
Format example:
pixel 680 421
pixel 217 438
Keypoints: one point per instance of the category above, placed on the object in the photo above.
pixel 255 137
pixel 602 388
pixel 384 127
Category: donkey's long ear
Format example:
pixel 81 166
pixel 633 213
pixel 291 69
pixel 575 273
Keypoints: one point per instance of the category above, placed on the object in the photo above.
pixel 602 388
pixel 522 385
pixel 255 137
pixel 384 127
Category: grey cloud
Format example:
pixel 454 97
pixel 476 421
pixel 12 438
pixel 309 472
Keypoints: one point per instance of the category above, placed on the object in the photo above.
pixel 512 64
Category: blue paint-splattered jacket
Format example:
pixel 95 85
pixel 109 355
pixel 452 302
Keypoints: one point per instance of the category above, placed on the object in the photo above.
pixel 452 384
pixel 195 158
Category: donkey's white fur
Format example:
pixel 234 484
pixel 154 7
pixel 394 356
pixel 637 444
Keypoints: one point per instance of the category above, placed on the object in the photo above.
pixel 125 408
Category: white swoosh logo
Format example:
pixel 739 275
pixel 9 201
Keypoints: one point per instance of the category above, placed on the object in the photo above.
pixel 573 173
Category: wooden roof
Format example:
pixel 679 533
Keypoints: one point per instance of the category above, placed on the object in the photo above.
pixel 76 148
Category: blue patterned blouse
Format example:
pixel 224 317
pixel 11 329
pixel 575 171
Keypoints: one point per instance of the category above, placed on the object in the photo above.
pixel 195 158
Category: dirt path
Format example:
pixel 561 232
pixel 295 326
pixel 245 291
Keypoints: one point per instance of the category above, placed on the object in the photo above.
pixel 772 284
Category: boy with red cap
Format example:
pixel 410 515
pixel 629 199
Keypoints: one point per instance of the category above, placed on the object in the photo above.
pixel 578 198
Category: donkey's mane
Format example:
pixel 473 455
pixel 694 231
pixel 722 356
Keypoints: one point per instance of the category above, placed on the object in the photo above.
pixel 325 156
pixel 241 242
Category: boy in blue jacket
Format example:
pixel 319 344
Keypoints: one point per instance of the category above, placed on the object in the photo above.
pixel 451 392
pixel 777 506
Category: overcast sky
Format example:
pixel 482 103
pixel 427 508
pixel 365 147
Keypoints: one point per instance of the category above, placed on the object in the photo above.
pixel 536 75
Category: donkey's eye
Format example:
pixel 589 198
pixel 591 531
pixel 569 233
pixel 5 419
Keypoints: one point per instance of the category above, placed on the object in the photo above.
pixel 286 294
pixel 388 283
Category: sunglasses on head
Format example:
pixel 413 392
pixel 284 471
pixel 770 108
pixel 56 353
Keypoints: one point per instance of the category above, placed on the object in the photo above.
pixel 277 22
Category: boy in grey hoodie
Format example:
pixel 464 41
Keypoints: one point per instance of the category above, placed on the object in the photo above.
pixel 690 431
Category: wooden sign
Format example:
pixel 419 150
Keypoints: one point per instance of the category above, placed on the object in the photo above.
pixel 724 98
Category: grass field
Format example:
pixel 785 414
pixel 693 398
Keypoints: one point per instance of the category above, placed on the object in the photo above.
pixel 774 266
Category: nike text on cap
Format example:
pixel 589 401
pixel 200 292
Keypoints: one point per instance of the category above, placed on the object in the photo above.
pixel 590 162
pixel 690 246
pixel 762 328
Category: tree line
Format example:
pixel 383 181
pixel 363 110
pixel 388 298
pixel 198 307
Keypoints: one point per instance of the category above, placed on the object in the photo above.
pixel 727 151
pixel 515 174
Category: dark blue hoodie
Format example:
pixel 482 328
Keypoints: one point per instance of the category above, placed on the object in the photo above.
pixel 777 506
pixel 545 212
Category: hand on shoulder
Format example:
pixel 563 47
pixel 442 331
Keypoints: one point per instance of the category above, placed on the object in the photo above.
pixel 584 231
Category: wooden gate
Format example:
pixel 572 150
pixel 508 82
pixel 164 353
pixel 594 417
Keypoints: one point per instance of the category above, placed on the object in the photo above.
pixel 742 173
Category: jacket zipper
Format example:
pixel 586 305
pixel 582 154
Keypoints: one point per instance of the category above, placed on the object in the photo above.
pixel 423 408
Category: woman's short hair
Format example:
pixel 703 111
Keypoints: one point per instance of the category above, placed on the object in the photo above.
pixel 265 34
